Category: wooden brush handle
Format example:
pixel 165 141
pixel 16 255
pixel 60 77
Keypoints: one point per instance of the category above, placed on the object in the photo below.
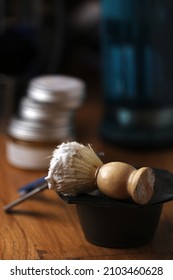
pixel 141 185
pixel 120 180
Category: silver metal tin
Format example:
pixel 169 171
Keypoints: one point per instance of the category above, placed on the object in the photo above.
pixel 44 112
pixel 67 91
pixel 27 130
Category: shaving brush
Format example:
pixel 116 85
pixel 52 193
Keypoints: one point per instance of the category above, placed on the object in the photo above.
pixel 72 168
pixel 76 168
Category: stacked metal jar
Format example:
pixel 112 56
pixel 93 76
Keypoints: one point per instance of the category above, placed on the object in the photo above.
pixel 45 119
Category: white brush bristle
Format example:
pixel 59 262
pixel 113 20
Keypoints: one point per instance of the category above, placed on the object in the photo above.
pixel 72 168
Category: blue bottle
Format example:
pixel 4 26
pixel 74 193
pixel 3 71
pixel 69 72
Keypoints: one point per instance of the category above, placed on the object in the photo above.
pixel 137 69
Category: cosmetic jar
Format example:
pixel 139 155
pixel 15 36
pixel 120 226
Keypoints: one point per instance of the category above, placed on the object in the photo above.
pixel 66 91
pixel 44 112
pixel 45 119
pixel 29 144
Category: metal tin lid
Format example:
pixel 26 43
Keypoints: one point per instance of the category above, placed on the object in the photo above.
pixel 44 112
pixel 27 130
pixel 64 90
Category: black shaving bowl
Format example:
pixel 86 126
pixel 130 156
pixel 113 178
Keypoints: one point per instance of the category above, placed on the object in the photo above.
pixel 121 224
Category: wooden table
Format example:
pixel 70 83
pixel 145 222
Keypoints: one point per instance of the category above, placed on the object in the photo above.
pixel 45 227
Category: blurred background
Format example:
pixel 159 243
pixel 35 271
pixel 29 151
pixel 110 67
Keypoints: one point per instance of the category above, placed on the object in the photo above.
pixel 122 49
pixel 47 37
